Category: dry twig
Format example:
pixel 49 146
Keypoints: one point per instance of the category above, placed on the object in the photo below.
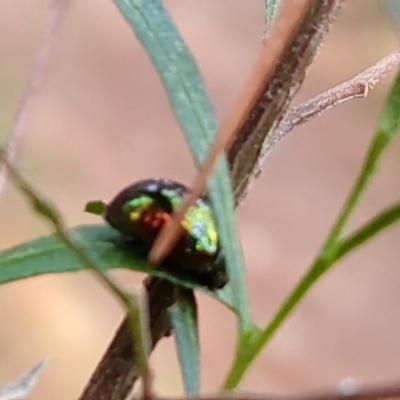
pixel 244 154
pixel 117 371
pixel 355 88
pixel 38 73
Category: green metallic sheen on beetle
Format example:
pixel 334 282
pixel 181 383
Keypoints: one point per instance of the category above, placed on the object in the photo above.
pixel 139 212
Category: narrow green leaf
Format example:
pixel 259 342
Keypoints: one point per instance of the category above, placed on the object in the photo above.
pixel 271 9
pixel 392 7
pixel 223 205
pixel 47 255
pixel 192 106
pixel 369 230
pixel 388 128
pixel 184 321
pixel 389 121
pixel 334 248
pixel 252 347
pixel 177 70
pixel 49 212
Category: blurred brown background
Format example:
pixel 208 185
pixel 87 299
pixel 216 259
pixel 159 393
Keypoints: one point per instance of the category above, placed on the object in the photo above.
pixel 103 121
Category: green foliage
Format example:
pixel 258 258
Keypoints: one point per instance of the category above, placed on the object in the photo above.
pixel 271 9
pixel 50 213
pixel 184 321
pixel 335 246
pixel 191 104
pixel 193 109
pixel 101 247
pixel 49 255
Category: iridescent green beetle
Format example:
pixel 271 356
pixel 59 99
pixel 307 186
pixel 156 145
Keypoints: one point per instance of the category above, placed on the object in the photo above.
pixel 139 212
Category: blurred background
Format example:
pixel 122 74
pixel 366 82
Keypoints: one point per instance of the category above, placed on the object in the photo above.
pixel 103 121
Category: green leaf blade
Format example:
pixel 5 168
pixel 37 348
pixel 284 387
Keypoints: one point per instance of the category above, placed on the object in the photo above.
pixel 389 121
pixel 193 108
pixel 387 130
pixel 177 70
pixel 223 205
pixel 185 324
pixel 369 230
pixel 271 9
pixel 334 247
pixel 48 255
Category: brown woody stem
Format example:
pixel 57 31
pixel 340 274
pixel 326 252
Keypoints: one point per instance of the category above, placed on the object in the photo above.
pixel 275 94
pixel 116 373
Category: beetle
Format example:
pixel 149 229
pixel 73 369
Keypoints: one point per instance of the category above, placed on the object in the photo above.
pixel 139 212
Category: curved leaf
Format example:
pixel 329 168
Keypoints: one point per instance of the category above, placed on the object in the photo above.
pixel 271 8
pixel 194 111
pixel 334 247
pixel 48 255
pixel 185 323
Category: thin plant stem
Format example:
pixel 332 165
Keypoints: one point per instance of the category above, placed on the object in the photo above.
pixel 357 87
pixel 36 79
pixel 369 230
pixel 328 256
pixel 388 127
pixel 140 336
